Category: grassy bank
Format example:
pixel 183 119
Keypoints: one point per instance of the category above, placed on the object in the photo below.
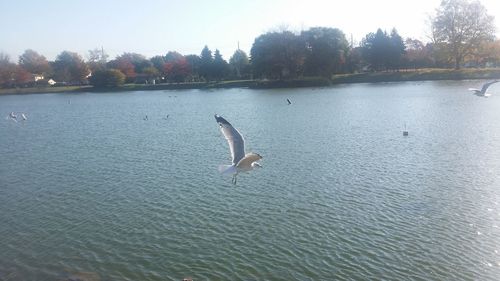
pixel 368 77
pixel 130 87
pixel 374 77
pixel 44 90
pixel 418 75
pixel 295 83
pixel 180 86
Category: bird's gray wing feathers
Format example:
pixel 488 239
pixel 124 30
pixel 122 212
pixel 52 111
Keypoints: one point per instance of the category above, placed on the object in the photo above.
pixel 487 85
pixel 234 139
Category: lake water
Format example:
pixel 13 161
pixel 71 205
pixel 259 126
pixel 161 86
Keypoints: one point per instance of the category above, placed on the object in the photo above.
pixel 90 190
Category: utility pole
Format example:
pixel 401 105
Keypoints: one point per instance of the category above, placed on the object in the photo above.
pixel 104 57
pixel 238 73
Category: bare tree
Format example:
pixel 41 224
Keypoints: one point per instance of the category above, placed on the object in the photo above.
pixel 459 27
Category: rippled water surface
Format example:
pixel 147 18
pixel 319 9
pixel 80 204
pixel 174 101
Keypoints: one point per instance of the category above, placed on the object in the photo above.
pixel 90 190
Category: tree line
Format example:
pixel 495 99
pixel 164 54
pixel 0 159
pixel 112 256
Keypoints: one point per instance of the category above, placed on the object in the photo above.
pixel 462 35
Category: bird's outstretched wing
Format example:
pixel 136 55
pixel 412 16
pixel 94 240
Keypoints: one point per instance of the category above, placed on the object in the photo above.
pixel 487 85
pixel 248 160
pixel 234 139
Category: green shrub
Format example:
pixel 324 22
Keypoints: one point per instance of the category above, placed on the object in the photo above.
pixel 107 78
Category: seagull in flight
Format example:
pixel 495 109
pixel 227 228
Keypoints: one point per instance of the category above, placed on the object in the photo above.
pixel 482 92
pixel 241 162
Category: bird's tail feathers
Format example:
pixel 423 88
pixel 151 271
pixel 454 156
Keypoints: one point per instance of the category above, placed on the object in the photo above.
pixel 227 169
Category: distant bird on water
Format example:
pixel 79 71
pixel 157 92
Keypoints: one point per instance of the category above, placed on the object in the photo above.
pixel 146 118
pixel 289 102
pixel 12 116
pixel 241 162
pixel 482 92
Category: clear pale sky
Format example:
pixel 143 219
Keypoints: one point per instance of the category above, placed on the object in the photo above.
pixel 154 27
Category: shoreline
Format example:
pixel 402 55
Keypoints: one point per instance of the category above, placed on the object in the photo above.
pixel 367 77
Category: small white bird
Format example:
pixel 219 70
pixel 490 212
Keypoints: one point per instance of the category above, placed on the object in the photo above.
pixel 241 162
pixel 24 117
pixel 482 92
pixel 12 116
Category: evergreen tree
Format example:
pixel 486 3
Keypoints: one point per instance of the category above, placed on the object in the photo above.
pixel 220 67
pixel 206 63
pixel 397 50
pixel 382 51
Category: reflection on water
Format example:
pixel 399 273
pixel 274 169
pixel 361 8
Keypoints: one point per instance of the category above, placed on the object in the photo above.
pixel 89 190
pixel 80 276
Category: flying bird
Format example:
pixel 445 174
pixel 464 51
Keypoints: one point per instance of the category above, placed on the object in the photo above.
pixel 241 162
pixel 482 92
